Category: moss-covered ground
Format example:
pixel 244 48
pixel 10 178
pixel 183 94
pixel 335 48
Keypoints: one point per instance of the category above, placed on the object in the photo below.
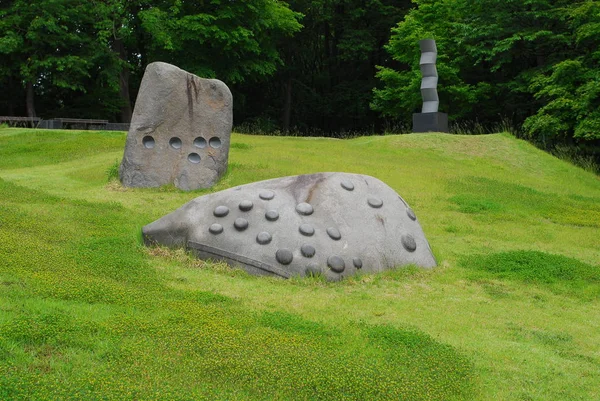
pixel 511 313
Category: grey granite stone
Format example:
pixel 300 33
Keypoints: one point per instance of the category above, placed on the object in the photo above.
pixel 179 132
pixel 349 234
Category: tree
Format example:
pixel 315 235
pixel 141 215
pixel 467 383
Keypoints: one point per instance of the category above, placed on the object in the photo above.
pixel 535 62
pixel 48 44
pixel 231 40
pixel 325 84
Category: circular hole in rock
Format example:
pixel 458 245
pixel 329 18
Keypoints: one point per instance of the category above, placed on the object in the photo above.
pixel 214 142
pixel 200 142
pixel 148 142
pixel 194 158
pixel 175 143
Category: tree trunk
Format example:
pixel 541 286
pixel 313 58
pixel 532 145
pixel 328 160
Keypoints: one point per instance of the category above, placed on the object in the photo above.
pixel 11 104
pixel 30 100
pixel 126 110
pixel 287 105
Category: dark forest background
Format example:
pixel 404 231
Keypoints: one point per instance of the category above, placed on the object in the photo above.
pixel 316 67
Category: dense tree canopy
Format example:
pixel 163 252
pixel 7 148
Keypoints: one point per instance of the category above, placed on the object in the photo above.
pixel 316 66
pixel 534 62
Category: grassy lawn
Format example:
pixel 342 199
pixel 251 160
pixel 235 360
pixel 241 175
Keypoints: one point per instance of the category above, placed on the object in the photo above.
pixel 511 313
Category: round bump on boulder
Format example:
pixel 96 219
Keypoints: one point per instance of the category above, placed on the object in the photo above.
pixel 246 205
pixel 357 263
pixel 347 185
pixel 272 215
pixel 266 195
pixel 284 256
pixel 304 209
pixel 375 202
pixel 336 263
pixel 308 251
pixel 221 211
pixel 409 243
pixel 334 233
pixel 263 238
pixel 215 229
pixel 306 229
pixel 411 214
pixel 240 224
pixel 312 269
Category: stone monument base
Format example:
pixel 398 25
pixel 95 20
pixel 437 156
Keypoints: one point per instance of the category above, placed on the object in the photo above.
pixel 430 122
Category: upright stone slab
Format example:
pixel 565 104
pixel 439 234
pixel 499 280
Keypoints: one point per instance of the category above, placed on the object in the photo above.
pixel 335 224
pixel 179 132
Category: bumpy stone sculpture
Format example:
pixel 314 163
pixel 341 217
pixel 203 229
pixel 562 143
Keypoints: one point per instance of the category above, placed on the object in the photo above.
pixel 179 132
pixel 334 224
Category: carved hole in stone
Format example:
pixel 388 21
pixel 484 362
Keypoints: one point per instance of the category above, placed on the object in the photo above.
pixel 175 143
pixel 200 142
pixel 214 142
pixel 148 142
pixel 194 158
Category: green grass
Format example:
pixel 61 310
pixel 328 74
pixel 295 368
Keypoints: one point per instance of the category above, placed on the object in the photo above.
pixel 512 312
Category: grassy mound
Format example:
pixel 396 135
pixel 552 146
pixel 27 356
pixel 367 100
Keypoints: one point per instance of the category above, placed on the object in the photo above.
pixel 87 312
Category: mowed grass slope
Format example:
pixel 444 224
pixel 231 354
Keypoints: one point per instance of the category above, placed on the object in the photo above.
pixel 512 312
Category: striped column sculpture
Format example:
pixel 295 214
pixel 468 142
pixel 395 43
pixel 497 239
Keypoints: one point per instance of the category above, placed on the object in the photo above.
pixel 430 119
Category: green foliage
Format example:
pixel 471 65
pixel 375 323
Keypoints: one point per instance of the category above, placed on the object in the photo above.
pixel 112 172
pixel 573 155
pixel 533 63
pixel 212 39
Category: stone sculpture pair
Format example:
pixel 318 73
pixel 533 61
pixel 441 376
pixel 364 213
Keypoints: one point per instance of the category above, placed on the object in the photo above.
pixel 332 224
